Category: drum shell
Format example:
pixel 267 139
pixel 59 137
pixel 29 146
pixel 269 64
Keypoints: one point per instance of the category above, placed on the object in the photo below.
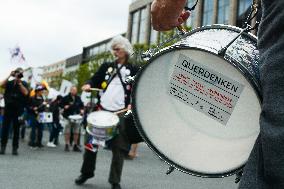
pixel 75 119
pixel 45 117
pixel 248 68
pixel 131 130
pixel 99 133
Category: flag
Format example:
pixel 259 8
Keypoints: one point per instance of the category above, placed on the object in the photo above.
pixel 17 55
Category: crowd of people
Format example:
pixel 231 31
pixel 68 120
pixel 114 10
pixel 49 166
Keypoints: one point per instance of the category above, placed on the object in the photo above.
pixel 264 168
pixel 25 107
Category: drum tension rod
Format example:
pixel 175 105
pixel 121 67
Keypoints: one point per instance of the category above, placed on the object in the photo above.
pixel 247 28
pixel 239 175
pixel 170 170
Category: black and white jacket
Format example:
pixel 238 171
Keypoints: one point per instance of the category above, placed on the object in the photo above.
pixel 107 72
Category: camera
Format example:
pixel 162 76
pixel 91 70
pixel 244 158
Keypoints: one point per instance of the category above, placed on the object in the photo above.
pixel 17 74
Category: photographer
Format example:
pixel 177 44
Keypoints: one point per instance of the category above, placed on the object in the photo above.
pixel 16 97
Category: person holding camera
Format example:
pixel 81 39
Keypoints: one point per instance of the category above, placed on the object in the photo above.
pixel 16 97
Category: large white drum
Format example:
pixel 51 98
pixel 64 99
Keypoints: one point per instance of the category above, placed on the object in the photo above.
pixel 197 109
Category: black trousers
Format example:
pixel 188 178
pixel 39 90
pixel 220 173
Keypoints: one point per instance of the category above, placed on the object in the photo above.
pixel 10 118
pixel 89 164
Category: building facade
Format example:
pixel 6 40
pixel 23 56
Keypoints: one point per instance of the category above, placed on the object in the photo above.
pixel 90 52
pixel 72 64
pixel 207 12
pixel 33 75
pixel 53 72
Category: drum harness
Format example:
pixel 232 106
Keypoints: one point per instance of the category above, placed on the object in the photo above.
pixel 254 8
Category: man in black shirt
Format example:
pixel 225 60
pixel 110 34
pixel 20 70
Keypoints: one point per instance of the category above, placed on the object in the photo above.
pixel 15 96
pixel 72 105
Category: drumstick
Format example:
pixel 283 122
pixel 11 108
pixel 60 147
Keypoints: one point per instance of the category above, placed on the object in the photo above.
pixel 181 29
pixel 95 89
pixel 121 111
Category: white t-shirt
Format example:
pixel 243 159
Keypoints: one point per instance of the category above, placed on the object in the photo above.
pixel 113 98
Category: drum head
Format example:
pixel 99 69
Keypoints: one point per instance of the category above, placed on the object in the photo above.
pixel 75 117
pixel 102 119
pixel 200 127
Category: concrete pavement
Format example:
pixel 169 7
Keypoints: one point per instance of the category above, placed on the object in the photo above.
pixel 52 168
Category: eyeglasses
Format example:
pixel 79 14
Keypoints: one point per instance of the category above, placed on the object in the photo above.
pixel 116 49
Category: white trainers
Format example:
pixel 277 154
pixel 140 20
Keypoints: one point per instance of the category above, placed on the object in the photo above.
pixel 50 144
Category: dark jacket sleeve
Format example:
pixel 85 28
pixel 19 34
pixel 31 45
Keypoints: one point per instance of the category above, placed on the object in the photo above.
pixel 80 103
pixel 98 77
pixel 64 102
pixel 135 70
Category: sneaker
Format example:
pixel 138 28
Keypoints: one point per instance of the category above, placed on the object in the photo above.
pixel 76 148
pixel 15 152
pixel 2 151
pixel 66 148
pixel 115 186
pixel 82 179
pixel 51 145
pixel 40 145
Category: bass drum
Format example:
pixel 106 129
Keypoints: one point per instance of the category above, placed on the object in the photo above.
pixel 197 109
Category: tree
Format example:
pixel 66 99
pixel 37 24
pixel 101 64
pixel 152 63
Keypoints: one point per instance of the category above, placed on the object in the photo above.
pixel 71 76
pixel 56 82
pixel 83 74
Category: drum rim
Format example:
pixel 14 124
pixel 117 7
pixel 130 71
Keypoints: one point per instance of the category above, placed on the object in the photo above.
pixel 103 127
pixel 255 84
pixel 235 64
pixel 103 137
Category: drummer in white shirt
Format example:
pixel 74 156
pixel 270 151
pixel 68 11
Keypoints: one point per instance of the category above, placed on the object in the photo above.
pixel 114 96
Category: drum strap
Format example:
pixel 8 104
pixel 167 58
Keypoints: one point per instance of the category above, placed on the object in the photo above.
pixel 117 70
pixel 252 14
pixel 191 8
pixel 122 82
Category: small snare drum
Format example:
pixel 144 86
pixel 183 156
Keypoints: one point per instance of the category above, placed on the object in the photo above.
pixel 75 118
pixel 45 117
pixel 102 125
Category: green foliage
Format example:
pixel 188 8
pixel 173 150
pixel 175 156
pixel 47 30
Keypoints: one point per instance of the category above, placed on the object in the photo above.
pixel 71 76
pixel 98 59
pixel 83 74
pixel 56 82
pixel 2 90
pixel 139 49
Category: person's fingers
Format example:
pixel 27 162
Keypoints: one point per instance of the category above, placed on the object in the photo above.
pixel 185 15
pixel 165 25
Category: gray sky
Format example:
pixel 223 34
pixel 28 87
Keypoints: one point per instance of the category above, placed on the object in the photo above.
pixel 48 31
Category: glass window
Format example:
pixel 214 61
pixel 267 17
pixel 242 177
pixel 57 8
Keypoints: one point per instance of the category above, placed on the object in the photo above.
pixel 143 25
pixel 207 12
pixel 135 21
pixel 96 50
pixel 243 6
pixel 243 11
pixel 223 11
pixel 154 36
pixel 191 21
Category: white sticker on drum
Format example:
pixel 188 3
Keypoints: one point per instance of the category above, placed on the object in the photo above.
pixel 204 89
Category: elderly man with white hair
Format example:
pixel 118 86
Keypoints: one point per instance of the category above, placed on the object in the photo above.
pixel 115 96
